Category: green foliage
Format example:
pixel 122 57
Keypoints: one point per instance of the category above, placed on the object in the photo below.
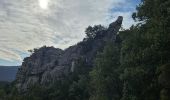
pixel 165 94
pixel 164 81
pixel 92 32
pixel 79 90
pixel 2 94
pixel 144 49
pixel 104 77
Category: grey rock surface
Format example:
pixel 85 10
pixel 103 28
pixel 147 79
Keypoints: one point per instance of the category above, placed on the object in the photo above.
pixel 48 64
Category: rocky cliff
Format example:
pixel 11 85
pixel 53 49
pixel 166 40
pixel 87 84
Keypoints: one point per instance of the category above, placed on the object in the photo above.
pixel 49 64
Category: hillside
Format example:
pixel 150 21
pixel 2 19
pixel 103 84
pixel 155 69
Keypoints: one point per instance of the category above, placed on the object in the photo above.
pixel 8 73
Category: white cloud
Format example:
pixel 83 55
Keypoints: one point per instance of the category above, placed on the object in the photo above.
pixel 25 25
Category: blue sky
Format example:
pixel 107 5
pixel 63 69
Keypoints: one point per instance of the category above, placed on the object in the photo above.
pixel 28 24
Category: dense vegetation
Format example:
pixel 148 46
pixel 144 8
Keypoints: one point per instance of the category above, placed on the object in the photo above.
pixel 135 68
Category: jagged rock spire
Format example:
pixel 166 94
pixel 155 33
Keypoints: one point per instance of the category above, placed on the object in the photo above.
pixel 117 23
pixel 114 28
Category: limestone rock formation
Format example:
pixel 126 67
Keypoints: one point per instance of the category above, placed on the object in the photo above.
pixel 48 64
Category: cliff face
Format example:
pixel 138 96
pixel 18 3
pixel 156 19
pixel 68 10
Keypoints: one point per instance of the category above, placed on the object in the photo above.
pixel 49 64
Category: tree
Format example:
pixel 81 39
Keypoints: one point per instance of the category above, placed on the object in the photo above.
pixel 145 49
pixel 164 81
pixel 92 32
pixel 105 75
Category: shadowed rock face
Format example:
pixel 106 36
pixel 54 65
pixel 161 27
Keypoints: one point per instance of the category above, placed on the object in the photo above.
pixel 48 64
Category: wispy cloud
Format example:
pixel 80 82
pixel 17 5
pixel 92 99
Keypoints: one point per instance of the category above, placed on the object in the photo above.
pixel 24 25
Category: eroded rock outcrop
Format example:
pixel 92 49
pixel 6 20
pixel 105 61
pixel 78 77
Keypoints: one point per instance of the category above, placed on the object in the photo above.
pixel 48 64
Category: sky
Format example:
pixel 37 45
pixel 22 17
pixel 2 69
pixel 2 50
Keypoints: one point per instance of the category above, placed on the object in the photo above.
pixel 28 24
